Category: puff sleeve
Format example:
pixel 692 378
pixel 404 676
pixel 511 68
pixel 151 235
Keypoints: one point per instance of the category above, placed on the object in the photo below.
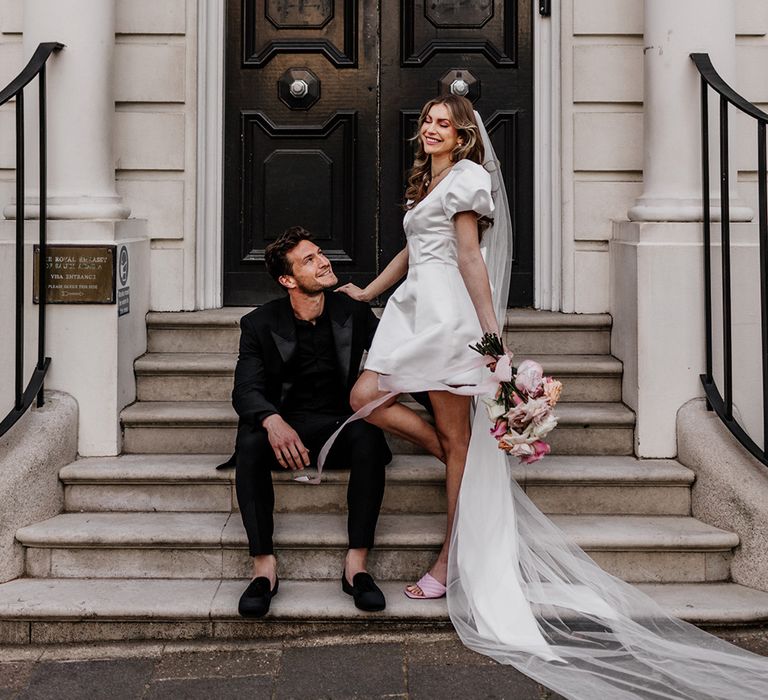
pixel 469 190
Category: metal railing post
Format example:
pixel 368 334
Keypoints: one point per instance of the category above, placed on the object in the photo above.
pixel 19 378
pixel 41 261
pixel 707 226
pixel 723 404
pixel 725 257
pixel 23 397
pixel 762 198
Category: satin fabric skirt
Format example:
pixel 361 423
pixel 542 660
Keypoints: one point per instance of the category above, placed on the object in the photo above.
pixel 427 327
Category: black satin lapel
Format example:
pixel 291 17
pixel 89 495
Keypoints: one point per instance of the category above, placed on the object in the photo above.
pixel 341 325
pixel 285 346
pixel 285 333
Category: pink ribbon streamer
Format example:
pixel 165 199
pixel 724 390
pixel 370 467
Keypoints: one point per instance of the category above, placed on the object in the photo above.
pixel 401 384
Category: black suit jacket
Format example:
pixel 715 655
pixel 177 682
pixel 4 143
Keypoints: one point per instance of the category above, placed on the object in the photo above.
pixel 268 341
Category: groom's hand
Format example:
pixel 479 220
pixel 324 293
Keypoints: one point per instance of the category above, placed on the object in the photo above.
pixel 286 443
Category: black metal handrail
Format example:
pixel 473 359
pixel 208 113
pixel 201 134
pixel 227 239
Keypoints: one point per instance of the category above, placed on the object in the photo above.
pixel 23 397
pixel 723 403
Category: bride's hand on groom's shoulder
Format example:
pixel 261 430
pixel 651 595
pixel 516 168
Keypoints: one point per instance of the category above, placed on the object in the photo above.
pixel 353 291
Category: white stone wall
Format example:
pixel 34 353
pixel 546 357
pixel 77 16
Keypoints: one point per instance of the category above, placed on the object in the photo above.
pixel 752 82
pixel 11 60
pixel 602 94
pixel 155 138
pixel 602 103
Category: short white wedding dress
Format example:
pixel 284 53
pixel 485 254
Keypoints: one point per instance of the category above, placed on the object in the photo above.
pixel 519 590
pixel 429 321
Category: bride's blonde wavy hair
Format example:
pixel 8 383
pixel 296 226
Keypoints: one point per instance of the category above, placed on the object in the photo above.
pixel 463 119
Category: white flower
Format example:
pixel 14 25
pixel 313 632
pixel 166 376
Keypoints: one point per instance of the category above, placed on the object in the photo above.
pixel 522 450
pixel 495 409
pixel 544 426
pixel 513 438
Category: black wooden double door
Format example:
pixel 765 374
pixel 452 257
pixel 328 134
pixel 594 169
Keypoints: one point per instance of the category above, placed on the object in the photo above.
pixel 322 97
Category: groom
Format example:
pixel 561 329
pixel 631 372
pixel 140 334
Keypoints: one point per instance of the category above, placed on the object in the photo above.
pixel 299 357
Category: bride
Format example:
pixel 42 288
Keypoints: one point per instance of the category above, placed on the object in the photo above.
pixel 518 589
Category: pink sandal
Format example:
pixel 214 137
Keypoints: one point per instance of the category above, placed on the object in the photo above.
pixel 430 588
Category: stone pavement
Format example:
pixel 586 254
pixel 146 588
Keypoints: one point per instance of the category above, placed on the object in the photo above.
pixel 418 665
pixel 430 665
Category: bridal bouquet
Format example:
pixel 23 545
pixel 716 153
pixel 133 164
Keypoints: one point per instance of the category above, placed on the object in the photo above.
pixel 521 411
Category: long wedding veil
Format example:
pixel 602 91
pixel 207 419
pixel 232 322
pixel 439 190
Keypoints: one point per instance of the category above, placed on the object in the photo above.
pixel 522 593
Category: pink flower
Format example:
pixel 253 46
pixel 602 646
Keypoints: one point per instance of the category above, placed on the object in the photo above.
pixel 540 448
pixel 500 429
pixel 531 410
pixel 529 377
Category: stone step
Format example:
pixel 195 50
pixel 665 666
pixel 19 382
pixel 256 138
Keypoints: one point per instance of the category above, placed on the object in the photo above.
pixel 208 427
pixel 312 546
pixel 526 331
pixel 46 611
pixel 529 331
pixel 212 330
pixel 185 376
pixel 415 483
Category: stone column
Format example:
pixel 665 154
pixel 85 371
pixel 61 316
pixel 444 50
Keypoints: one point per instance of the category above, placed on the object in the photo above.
pixel 671 116
pixel 657 282
pixel 92 345
pixel 81 107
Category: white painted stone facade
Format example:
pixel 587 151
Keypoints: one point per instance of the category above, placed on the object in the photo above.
pixel 601 48
pixel 598 151
pixel 154 130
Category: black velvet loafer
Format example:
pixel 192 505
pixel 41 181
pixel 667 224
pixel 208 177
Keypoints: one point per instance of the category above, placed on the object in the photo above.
pixel 367 594
pixel 256 598
pixel 231 463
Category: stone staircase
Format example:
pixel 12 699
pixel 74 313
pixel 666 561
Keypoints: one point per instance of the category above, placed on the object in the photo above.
pixel 151 544
pixel 191 358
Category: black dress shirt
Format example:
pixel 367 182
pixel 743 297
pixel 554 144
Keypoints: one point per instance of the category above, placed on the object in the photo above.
pixel 318 386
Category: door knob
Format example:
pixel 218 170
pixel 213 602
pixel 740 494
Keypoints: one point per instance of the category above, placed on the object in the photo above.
pixel 299 88
pixel 460 87
pixel 460 82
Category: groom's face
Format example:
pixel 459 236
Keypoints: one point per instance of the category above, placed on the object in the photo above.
pixel 311 271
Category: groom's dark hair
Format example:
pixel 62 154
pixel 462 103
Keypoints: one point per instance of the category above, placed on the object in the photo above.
pixel 276 253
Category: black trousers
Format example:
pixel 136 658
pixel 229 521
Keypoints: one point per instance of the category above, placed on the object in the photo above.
pixel 360 447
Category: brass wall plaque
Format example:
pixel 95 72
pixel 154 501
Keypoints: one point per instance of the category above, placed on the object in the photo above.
pixel 77 274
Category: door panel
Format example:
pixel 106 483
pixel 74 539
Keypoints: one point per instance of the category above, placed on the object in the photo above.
pixel 298 158
pixel 432 27
pixel 424 44
pixel 322 97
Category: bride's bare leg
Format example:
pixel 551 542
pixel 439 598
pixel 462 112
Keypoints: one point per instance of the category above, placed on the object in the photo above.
pixel 393 416
pixel 453 430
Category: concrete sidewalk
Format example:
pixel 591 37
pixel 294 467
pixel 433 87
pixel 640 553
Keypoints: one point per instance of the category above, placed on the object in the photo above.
pixel 404 666
pixel 408 666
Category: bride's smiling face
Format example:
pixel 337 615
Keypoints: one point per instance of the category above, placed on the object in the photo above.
pixel 438 134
